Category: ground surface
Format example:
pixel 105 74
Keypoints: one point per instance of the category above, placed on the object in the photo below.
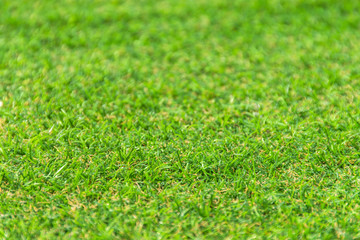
pixel 173 119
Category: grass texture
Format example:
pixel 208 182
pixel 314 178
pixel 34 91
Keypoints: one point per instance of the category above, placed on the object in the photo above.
pixel 169 119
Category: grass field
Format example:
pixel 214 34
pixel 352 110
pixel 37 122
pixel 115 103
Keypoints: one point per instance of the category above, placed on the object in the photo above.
pixel 169 119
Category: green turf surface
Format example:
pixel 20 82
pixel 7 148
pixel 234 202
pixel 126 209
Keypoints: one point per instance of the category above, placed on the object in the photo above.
pixel 173 119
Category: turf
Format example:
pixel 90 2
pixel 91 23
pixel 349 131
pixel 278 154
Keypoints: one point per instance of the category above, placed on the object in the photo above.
pixel 164 119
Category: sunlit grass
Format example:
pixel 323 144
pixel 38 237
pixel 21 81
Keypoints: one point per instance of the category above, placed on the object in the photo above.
pixel 173 119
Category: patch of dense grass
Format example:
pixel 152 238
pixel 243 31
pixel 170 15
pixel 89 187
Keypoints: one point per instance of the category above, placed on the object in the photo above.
pixel 167 119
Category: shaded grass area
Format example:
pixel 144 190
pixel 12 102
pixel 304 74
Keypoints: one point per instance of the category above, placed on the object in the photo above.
pixel 179 119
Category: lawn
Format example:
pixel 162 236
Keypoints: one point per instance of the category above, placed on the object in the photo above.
pixel 179 119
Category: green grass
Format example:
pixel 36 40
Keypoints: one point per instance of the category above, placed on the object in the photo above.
pixel 169 119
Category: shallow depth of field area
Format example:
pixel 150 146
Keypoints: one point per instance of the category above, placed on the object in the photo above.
pixel 167 119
